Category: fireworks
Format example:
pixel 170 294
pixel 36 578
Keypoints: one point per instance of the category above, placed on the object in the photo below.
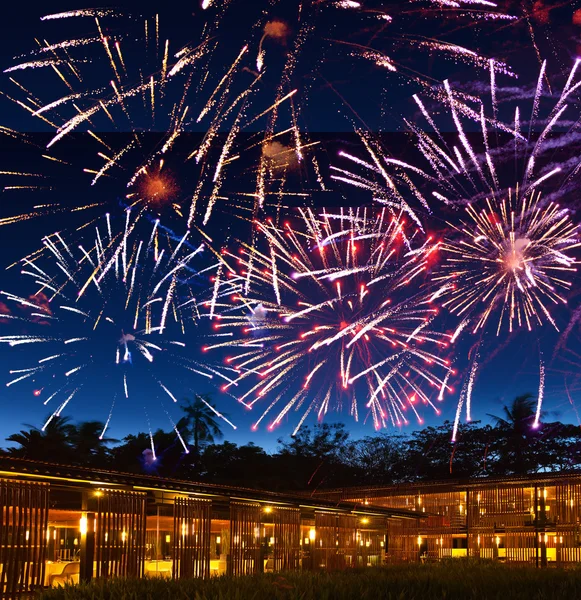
pixel 511 256
pixel 111 315
pixel 468 165
pixel 331 312
pixel 510 261
pixel 333 308
pixel 128 76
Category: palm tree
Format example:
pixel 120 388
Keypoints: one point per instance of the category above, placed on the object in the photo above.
pixel 517 426
pixel 201 421
pixel 51 443
pixel 90 445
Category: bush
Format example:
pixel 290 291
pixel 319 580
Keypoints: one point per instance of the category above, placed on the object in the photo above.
pixel 456 579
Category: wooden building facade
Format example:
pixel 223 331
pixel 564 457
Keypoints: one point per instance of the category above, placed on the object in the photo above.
pixel 68 524
pixel 528 520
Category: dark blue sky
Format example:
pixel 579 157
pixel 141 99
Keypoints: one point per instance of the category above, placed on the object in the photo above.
pixel 379 103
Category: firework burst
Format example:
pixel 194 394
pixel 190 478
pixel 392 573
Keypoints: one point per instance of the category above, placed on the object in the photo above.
pixel 512 256
pixel 331 313
pixel 114 314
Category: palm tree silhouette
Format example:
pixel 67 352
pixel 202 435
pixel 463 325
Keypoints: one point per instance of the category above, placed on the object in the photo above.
pixel 201 421
pixel 52 443
pixel 517 425
pixel 89 444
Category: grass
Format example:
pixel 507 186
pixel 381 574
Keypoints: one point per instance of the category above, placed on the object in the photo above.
pixel 456 579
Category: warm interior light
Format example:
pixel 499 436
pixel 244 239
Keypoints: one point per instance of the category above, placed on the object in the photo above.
pixel 27 535
pixel 307 541
pixel 98 493
pixel 497 541
pixel 419 540
pixel 83 525
pixel 312 534
pixel 123 536
pixel 218 539
pixel 168 538
pixel 365 521
pixel 268 509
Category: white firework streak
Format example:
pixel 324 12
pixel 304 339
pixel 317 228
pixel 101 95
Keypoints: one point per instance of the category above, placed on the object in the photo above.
pixel 540 394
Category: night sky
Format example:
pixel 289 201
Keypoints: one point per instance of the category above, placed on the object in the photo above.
pixel 338 91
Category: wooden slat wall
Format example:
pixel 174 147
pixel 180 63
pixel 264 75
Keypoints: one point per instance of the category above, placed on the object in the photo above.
pixel 568 503
pixel 324 549
pixel 191 534
pixel 120 534
pixel 402 545
pixel 245 533
pixel 336 542
pixel 348 548
pixel 568 544
pixel 287 538
pixel 369 547
pixel 519 545
pixel 500 507
pixel 23 526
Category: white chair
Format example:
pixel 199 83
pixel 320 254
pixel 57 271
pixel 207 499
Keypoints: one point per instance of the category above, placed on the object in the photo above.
pixel 70 574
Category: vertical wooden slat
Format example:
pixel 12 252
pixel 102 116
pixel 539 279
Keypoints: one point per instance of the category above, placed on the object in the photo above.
pixel 120 534
pixel 191 550
pixel 244 538
pixel 23 508
pixel 287 538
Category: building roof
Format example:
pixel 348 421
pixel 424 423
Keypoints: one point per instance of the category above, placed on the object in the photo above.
pixel 11 467
pixel 448 485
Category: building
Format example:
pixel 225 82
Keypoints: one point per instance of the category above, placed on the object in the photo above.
pixel 527 520
pixel 63 523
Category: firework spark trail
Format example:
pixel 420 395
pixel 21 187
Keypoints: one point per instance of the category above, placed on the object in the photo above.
pixel 127 303
pixel 469 388
pixel 465 398
pixel 217 413
pixel 540 394
pixel 326 299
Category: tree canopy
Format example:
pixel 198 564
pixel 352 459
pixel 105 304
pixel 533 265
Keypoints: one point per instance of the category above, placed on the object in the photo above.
pixel 319 456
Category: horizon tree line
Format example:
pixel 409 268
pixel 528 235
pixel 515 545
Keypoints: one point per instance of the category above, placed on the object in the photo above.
pixel 321 456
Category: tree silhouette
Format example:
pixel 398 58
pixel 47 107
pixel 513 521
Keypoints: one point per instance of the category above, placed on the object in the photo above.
pixel 516 427
pixel 51 444
pixel 89 444
pixel 319 456
pixel 201 422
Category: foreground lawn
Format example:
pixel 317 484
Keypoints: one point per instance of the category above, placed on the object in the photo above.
pixel 457 579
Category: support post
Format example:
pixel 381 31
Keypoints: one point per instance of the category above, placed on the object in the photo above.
pixel 87 541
